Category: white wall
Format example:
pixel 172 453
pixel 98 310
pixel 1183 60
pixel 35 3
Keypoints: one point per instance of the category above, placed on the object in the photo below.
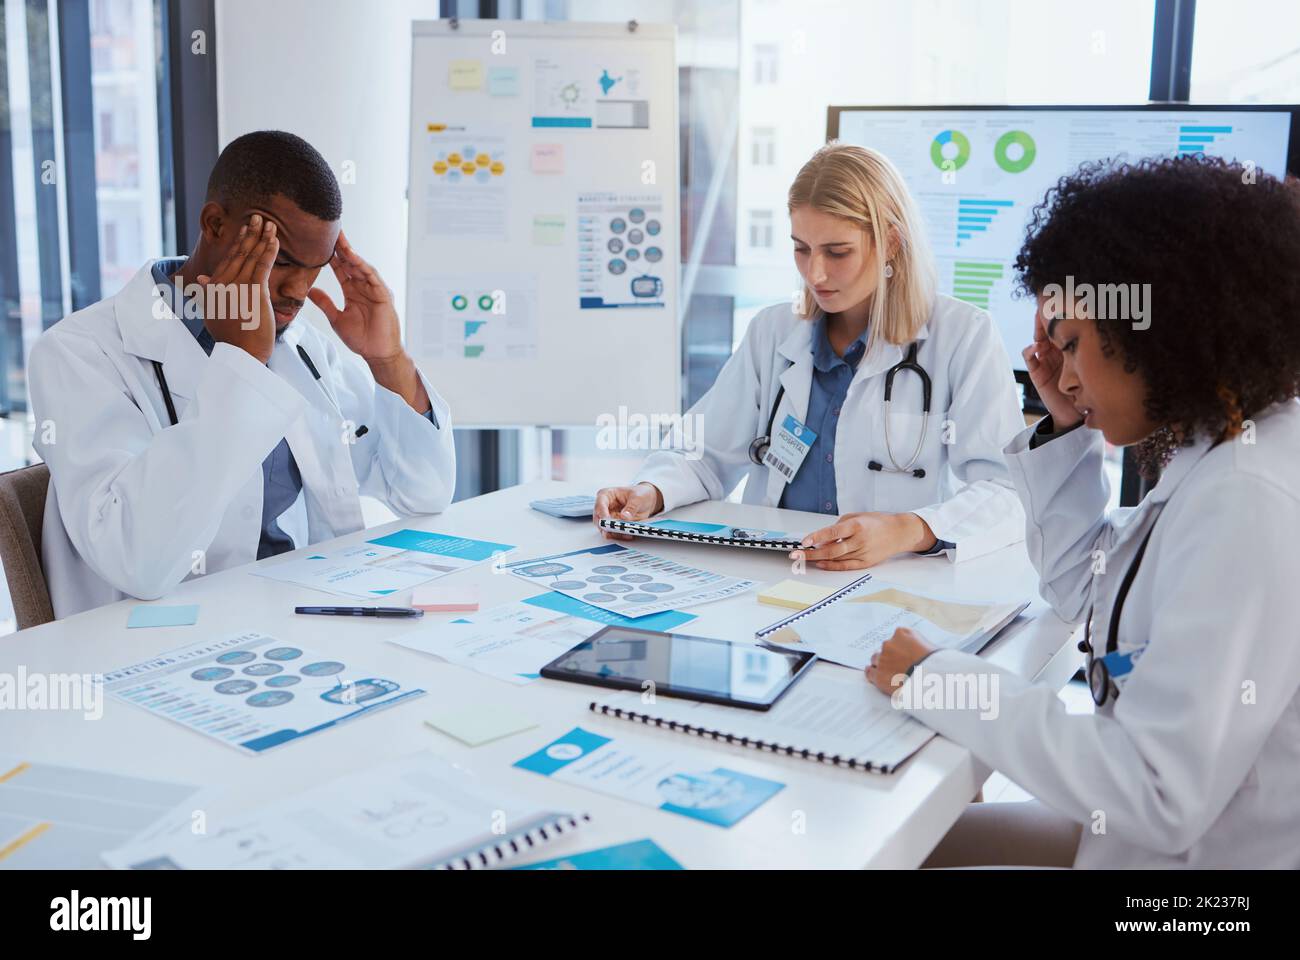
pixel 337 73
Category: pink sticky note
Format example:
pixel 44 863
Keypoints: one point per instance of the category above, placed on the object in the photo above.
pixel 435 599
pixel 547 158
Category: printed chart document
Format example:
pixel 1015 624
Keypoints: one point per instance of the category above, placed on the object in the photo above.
pixel 513 641
pixel 416 811
pixel 851 624
pixel 829 716
pixel 61 817
pixel 252 692
pixel 626 581
pixel 653 776
pixel 386 565
pixel 637 855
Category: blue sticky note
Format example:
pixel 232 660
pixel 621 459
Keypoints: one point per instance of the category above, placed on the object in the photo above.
pixel 152 616
pixel 503 81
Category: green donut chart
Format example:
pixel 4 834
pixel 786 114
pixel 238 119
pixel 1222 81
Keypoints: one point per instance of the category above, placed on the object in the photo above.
pixel 942 140
pixel 1014 138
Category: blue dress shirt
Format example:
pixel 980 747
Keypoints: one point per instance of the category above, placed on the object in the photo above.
pixel 813 487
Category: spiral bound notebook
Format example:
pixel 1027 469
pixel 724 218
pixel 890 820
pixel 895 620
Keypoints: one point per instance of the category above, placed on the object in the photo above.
pixel 831 716
pixel 851 624
pixel 525 839
pixel 719 534
pixel 413 812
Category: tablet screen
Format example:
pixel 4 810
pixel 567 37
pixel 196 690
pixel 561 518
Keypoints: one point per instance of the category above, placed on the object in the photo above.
pixel 697 668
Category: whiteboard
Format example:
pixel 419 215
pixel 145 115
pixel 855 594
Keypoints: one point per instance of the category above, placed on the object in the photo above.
pixel 542 229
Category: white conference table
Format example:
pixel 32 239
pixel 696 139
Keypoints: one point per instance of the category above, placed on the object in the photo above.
pixel 826 817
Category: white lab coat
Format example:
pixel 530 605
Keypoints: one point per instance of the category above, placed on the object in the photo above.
pixel 137 505
pixel 1197 762
pixel 966 496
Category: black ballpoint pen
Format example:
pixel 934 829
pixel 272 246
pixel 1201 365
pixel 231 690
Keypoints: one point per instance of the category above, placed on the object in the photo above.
pixel 395 612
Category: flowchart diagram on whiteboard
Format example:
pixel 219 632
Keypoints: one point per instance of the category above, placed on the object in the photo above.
pixel 543 228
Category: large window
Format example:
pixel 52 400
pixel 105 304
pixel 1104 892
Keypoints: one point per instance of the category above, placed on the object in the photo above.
pixel 80 202
pixel 125 103
pixel 1246 51
pixel 925 51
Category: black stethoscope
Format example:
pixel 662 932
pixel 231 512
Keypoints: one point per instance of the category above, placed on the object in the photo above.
pixel 361 431
pixel 1100 681
pixel 759 445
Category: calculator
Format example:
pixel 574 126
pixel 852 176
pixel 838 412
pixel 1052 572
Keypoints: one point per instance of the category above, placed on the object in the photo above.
pixel 570 508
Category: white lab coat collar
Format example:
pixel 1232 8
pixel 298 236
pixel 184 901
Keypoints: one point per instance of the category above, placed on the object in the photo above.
pixel 145 318
pixel 1177 470
pixel 151 330
pixel 797 347
pixel 884 355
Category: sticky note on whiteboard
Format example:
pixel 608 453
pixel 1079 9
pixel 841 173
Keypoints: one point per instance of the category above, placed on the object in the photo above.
pixel 503 81
pixel 547 158
pixel 465 75
pixel 548 229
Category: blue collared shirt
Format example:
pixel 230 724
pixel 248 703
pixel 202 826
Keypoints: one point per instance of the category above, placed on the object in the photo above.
pixel 813 487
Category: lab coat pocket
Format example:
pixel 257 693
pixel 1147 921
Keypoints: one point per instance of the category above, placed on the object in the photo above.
pixel 910 435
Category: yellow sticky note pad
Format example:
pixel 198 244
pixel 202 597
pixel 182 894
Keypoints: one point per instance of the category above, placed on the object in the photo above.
pixel 794 594
pixel 480 723
pixel 465 75
pixel 548 229
pixel 547 158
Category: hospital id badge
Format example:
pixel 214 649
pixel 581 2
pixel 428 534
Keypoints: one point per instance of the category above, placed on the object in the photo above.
pixel 788 448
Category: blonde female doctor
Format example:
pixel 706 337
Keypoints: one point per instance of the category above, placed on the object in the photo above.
pixel 1192 758
pixel 874 400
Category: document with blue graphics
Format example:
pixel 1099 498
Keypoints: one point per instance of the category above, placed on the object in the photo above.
pixel 383 566
pixel 625 581
pixel 253 692
pixel 692 531
pixel 637 855
pixel 513 641
pixel 414 811
pixel 650 775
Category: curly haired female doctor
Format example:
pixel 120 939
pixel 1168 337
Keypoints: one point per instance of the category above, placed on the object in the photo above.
pixel 1192 758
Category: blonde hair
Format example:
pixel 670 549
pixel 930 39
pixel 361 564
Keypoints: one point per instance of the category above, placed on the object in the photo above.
pixel 861 185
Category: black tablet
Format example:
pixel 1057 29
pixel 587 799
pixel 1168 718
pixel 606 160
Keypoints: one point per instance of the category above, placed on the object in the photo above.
pixel 694 668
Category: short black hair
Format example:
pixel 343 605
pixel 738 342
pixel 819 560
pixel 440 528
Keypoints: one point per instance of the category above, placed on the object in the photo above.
pixel 1219 243
pixel 258 165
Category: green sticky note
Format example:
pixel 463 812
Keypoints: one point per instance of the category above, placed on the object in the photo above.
pixel 163 616
pixel 479 724
pixel 548 229
pixel 503 81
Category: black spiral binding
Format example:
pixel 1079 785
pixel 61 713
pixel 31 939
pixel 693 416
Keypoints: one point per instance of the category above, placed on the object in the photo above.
pixel 838 594
pixel 495 854
pixel 834 759
pixel 644 530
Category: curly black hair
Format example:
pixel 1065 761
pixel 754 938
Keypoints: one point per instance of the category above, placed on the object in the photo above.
pixel 1219 244
pixel 258 165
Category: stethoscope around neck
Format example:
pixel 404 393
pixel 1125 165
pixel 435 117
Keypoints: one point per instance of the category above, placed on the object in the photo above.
pixel 1100 682
pixel 361 431
pixel 759 445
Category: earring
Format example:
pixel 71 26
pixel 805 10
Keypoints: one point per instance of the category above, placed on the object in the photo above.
pixel 889 270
